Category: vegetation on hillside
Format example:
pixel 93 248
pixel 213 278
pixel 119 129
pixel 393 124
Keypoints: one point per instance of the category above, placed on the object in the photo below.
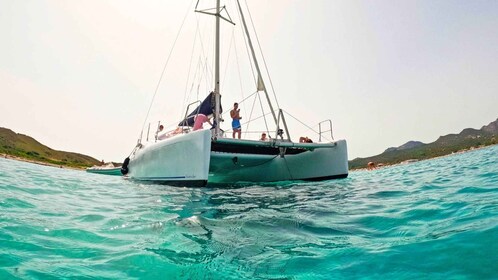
pixel 467 139
pixel 23 146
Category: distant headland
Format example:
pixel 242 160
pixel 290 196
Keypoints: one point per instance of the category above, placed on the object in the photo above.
pixel 22 147
pixel 412 151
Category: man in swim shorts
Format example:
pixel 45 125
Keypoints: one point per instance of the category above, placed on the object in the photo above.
pixel 235 114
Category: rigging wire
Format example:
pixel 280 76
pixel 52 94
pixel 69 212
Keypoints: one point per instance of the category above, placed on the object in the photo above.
pixel 247 48
pixel 252 120
pixel 256 82
pixel 237 60
pixel 188 74
pixel 250 115
pixel 262 110
pixel 202 67
pixel 228 60
pixel 264 60
pixel 248 96
pixel 241 102
pixel 205 72
pixel 200 73
pixel 166 64
pixel 310 128
pixel 203 51
pixel 197 71
pixel 240 76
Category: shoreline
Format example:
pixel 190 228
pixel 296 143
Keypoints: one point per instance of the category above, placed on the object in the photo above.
pixel 384 165
pixel 409 161
pixel 7 156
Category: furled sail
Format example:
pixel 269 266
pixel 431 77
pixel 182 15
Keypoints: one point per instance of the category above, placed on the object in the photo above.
pixel 261 86
pixel 207 107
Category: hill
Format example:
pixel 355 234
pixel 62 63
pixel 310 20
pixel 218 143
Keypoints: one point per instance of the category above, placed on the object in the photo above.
pixel 23 146
pixel 407 145
pixel 444 145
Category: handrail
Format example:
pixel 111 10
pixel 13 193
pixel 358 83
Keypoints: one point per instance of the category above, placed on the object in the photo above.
pixel 320 129
pixel 186 111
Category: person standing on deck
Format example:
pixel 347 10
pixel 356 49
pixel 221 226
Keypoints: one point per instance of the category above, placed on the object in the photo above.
pixel 235 114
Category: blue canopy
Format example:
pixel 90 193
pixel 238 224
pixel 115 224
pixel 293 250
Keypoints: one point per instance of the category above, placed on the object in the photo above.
pixel 207 108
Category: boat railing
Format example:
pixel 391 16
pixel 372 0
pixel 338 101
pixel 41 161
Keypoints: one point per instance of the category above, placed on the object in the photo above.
pixel 326 129
pixel 185 121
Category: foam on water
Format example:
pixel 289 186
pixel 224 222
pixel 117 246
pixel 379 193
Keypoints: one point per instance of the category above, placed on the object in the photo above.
pixel 432 219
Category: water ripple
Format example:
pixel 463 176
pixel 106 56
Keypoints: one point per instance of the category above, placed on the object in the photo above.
pixel 430 219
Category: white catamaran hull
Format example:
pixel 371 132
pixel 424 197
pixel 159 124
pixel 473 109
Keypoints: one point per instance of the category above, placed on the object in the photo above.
pixel 180 160
pixel 312 162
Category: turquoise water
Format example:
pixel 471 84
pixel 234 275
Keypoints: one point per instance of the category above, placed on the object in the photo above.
pixel 435 219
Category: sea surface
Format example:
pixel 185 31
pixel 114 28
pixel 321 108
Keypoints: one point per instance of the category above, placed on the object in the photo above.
pixel 434 219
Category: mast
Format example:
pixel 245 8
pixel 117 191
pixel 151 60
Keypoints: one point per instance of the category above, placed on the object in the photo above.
pixel 217 95
pixel 217 71
pixel 260 78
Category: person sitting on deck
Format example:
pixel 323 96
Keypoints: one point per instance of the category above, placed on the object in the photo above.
pixel 263 137
pixel 166 135
pixel 160 130
pixel 305 139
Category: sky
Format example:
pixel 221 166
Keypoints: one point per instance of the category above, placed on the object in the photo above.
pixel 80 76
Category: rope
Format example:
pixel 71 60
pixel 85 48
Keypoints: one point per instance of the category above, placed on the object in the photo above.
pixel 288 169
pixel 166 64
pixel 259 164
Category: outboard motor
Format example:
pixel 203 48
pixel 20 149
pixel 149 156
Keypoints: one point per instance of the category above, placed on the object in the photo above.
pixel 124 167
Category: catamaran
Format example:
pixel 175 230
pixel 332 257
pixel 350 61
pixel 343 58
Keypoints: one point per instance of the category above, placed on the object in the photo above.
pixel 193 156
